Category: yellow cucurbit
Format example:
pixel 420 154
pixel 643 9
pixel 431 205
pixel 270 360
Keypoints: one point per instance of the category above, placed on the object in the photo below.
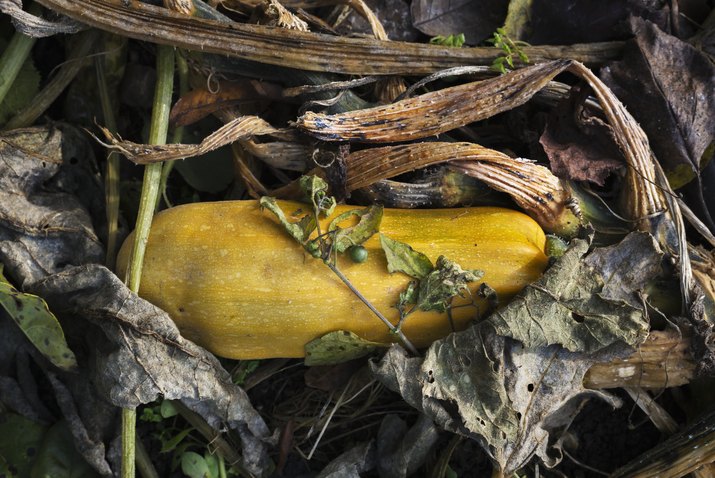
pixel 235 282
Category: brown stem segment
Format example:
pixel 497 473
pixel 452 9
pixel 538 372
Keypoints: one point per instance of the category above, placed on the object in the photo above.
pixel 664 360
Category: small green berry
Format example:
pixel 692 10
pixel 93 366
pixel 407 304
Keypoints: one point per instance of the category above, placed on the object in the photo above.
pixel 358 254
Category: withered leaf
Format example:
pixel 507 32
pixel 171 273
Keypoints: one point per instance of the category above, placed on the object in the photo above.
pixel 511 380
pixel 676 110
pixel 585 304
pixel 137 353
pixel 448 279
pixel 435 112
pixel 242 127
pixel 300 231
pixel 337 347
pixel 197 104
pixel 580 147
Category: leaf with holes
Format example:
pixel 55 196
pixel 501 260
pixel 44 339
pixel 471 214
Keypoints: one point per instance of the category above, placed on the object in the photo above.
pixel 515 379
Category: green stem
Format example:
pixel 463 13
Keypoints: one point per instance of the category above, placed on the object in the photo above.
pixel 147 205
pixel 403 338
pixel 14 56
pixel 112 172
pixel 129 434
pixel 182 70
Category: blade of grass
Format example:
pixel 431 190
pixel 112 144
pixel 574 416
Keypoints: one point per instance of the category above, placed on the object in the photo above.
pixel 112 171
pixel 147 205
pixel 65 75
pixel 14 56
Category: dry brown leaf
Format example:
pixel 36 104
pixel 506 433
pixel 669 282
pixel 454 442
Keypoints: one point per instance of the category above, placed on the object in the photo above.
pixel 198 104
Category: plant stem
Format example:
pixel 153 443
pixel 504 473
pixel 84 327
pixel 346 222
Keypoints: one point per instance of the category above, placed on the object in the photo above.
pixel 410 347
pixel 14 56
pixel 111 181
pixel 149 196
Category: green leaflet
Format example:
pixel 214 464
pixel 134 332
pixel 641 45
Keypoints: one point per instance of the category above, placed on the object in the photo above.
pixel 316 192
pixel 402 258
pixel 41 327
pixel 336 347
pixel 368 225
pixel 300 231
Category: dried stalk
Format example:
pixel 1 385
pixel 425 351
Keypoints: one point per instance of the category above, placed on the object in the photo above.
pixel 240 128
pixel 533 187
pixel 301 50
pixel 664 360
pixel 688 451
pixel 436 112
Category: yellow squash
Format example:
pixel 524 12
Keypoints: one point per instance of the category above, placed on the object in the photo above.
pixel 236 283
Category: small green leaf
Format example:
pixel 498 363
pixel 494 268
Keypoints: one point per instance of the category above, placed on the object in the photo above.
pixel 300 231
pixel 167 409
pixel 402 258
pixel 408 296
pixel 447 280
pixel 58 457
pixel 212 462
pixel 194 465
pixel 315 190
pixel 41 327
pixel 336 347
pixel 368 225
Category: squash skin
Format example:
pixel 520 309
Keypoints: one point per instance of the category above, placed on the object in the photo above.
pixel 234 281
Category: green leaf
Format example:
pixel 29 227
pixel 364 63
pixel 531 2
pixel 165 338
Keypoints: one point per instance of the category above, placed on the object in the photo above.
pixel 402 258
pixel 24 89
pixel 20 439
pixel 173 442
pixel 167 409
pixel 315 190
pixel 408 296
pixel 300 231
pixel 336 347
pixel 194 465
pixel 368 225
pixel 447 280
pixel 41 327
pixel 58 457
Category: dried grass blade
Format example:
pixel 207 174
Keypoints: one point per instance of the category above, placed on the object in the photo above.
pixel 435 112
pixel 240 128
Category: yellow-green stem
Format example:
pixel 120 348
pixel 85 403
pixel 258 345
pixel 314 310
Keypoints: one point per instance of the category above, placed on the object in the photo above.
pixel 182 71
pixel 150 193
pixel 14 56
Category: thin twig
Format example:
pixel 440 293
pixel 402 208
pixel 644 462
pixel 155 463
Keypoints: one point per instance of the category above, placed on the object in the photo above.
pixel 410 347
